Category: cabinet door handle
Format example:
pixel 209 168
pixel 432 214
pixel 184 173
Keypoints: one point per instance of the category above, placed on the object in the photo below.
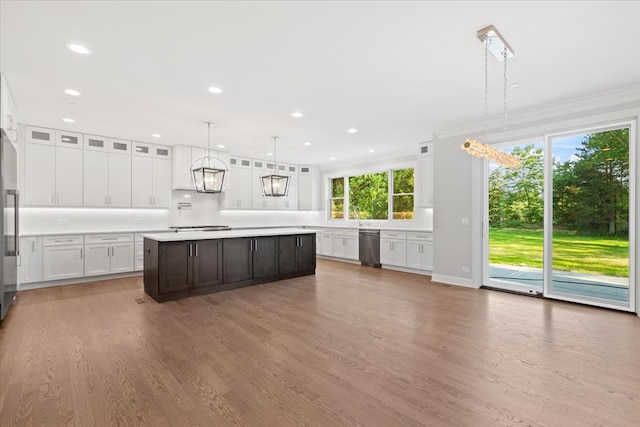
pixel 108 254
pixel 190 250
pixel 196 245
pixel 113 251
pixel 80 253
pixel 33 246
pixel 256 243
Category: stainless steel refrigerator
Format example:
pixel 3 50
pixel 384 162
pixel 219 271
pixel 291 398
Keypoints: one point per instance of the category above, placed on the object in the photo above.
pixel 9 241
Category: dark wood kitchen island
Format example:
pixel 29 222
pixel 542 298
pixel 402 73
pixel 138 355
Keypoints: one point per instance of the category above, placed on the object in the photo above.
pixel 179 265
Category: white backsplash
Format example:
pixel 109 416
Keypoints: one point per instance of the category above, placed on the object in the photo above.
pixel 72 220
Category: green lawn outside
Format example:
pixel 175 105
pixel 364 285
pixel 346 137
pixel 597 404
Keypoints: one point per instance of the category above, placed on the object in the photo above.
pixel 581 254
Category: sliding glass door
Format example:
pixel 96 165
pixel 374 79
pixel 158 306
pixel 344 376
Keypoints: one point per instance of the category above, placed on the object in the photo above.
pixel 560 225
pixel 589 217
pixel 514 227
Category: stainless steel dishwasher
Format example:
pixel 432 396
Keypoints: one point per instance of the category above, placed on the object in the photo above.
pixel 369 246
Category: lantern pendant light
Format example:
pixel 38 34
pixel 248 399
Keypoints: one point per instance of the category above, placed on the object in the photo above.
pixel 274 184
pixel 208 172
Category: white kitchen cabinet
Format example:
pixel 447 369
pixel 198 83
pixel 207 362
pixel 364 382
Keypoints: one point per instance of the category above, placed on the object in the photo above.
pixel 260 201
pixel 290 201
pixel 108 254
pixel 393 248
pixel 119 180
pixel 345 244
pixel 68 139
pixel 38 135
pixel 150 182
pixel 62 257
pixel 324 242
pixel 420 251
pixel 52 176
pixel 161 183
pixel 39 175
pixel 238 195
pixel 107 179
pixel 138 255
pixel 424 175
pixel 8 120
pixel 68 177
pixel 30 259
pixel 96 178
pixel 308 188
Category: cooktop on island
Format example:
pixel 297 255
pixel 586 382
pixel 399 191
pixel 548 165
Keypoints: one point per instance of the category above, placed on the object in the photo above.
pixel 200 228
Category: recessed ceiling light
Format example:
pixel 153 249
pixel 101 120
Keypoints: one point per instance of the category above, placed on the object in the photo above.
pixel 307 143
pixel 352 130
pixel 77 48
pixel 215 90
pixel 297 114
pixel 269 154
pixel 332 158
pixel 514 85
pixel 68 120
pixel 72 104
pixel 156 135
pixel 371 150
pixel 72 92
pixel 220 145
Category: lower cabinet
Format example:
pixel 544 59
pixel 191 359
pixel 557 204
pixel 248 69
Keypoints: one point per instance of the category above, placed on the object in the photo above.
pixel 393 248
pixel 345 244
pixel 174 270
pixel 108 258
pixel 182 267
pixel 420 251
pixel 247 258
pixel 296 253
pixel 62 261
pixel 30 259
pixel 324 242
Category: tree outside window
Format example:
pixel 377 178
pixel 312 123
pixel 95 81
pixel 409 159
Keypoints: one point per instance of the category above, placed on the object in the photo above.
pixel 337 198
pixel 369 192
pixel 403 185
pixel 373 194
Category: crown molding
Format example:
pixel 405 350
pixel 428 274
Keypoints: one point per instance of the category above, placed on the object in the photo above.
pixel 627 97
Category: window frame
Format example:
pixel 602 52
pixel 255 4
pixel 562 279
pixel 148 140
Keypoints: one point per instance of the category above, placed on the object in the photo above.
pixel 390 193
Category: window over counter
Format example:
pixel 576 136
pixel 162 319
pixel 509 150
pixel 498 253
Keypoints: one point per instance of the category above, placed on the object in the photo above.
pixel 337 198
pixel 380 195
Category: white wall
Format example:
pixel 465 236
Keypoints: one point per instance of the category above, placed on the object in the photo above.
pixel 74 220
pixel 457 175
pixel 423 218
pixel 206 209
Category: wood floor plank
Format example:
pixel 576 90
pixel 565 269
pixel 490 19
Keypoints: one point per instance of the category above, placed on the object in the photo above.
pixel 351 346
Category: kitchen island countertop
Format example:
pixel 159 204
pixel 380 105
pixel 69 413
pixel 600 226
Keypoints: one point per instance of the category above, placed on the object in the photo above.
pixel 225 234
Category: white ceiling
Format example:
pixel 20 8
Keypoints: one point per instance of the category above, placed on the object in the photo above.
pixel 397 71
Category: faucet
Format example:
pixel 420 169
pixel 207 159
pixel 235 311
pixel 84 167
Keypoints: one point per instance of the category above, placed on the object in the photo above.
pixel 358 214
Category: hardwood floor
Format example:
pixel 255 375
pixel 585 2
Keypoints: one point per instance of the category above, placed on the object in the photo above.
pixel 349 346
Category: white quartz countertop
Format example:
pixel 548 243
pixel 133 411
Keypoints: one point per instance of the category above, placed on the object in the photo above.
pixel 106 231
pixel 225 234
pixel 371 227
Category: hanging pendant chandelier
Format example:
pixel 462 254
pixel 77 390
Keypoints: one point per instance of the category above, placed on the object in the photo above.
pixel 497 45
pixel 208 172
pixel 274 184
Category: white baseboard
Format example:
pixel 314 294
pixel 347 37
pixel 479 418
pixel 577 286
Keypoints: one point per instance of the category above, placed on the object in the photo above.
pixel 330 258
pixel 452 280
pixel 407 270
pixel 77 280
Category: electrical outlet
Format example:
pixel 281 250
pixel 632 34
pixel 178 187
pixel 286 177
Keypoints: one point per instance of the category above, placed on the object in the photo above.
pixel 466 269
pixel 465 221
